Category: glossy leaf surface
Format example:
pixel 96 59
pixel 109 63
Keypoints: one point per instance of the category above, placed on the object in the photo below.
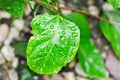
pixel 112 31
pixel 89 57
pixel 14 7
pixel 54 43
pixel 115 3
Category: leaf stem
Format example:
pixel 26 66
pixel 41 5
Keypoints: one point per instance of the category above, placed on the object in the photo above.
pixel 75 9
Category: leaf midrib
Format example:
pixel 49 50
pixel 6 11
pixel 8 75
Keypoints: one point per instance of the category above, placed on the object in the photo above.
pixel 53 43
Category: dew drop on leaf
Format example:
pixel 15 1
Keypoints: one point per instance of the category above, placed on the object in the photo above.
pixel 63 32
pixel 74 34
pixel 62 39
pixel 73 28
pixel 51 27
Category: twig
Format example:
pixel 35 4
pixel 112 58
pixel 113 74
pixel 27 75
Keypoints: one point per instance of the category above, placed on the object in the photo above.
pixel 74 9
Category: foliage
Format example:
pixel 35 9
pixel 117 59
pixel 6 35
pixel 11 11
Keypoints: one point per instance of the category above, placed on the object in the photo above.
pixel 115 3
pixel 56 38
pixel 112 31
pixel 14 7
pixel 89 57
pixel 20 48
pixel 54 43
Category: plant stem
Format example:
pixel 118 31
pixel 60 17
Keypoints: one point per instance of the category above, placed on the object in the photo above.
pixel 74 9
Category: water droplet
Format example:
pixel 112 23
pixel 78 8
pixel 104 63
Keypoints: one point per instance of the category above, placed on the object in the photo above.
pixel 51 27
pixel 63 32
pixel 64 28
pixel 74 34
pixel 62 39
pixel 43 33
pixel 73 28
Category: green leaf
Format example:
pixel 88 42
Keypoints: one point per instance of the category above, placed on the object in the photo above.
pixel 115 3
pixel 26 75
pixel 46 1
pixel 112 31
pixel 81 21
pixel 54 43
pixel 20 48
pixel 91 60
pixel 14 7
pixel 89 57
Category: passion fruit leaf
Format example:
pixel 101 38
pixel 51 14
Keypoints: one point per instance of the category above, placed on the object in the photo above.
pixel 54 43
pixel 89 56
pixel 112 31
pixel 115 3
pixel 14 7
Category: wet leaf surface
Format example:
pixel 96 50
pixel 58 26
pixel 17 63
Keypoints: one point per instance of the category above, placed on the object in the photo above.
pixel 54 43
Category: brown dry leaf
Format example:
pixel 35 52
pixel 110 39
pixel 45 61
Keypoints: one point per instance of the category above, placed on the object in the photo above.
pixel 113 65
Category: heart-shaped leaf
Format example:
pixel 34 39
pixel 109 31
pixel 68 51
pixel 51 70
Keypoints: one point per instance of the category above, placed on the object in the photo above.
pixel 54 43
pixel 112 31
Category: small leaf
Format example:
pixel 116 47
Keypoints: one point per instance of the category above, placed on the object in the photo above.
pixel 20 48
pixel 54 43
pixel 89 57
pixel 115 3
pixel 112 31
pixel 14 7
